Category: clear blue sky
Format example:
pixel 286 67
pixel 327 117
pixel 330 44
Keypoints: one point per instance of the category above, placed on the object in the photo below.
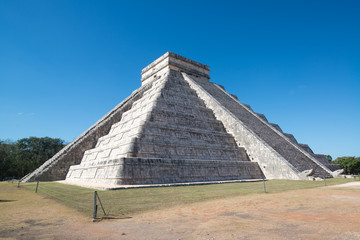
pixel 64 64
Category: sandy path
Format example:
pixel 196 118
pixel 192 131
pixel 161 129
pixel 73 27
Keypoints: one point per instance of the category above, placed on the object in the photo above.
pixel 322 213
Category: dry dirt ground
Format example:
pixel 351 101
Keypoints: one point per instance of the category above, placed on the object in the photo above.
pixel 321 213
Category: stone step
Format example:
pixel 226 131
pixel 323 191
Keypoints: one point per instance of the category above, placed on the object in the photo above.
pixel 195 107
pixel 262 116
pixel 182 119
pixel 291 138
pixel 306 148
pixel 171 133
pixel 322 158
pixel 197 110
pixel 190 129
pixel 187 143
pixel 247 106
pixel 277 127
pixel 148 149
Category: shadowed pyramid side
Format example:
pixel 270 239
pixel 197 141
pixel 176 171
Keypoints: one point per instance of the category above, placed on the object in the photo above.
pixel 277 155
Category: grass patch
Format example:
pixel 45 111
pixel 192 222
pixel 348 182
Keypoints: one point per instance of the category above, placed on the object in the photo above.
pixel 131 201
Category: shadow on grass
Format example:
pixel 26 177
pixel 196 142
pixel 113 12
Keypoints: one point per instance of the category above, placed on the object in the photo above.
pixel 7 201
pixel 110 217
pixel 99 219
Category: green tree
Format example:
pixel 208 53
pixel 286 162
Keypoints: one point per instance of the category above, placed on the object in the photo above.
pixel 7 148
pixel 27 154
pixel 351 165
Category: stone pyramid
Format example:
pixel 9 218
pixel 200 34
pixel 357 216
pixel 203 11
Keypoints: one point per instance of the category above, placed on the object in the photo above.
pixel 179 127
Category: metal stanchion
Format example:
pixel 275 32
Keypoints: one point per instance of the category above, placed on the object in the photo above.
pixel 95 206
pixel 100 203
pixel 264 185
pixel 37 185
pixel 96 197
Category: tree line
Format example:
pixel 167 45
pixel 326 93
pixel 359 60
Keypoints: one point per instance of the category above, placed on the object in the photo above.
pixel 25 155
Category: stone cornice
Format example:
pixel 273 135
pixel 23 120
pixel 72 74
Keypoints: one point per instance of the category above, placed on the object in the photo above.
pixel 176 62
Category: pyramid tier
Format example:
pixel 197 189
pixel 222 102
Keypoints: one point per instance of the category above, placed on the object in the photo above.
pixel 126 171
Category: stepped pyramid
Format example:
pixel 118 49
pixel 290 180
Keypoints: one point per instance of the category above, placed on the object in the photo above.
pixel 180 127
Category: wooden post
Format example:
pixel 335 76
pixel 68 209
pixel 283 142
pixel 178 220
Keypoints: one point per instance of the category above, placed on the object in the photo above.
pixel 18 183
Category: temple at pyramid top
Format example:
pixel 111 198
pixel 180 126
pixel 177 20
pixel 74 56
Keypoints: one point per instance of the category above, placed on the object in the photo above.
pixel 179 127
pixel 176 62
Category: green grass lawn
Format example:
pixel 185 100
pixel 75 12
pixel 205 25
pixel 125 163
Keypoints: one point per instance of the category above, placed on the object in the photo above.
pixel 131 201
